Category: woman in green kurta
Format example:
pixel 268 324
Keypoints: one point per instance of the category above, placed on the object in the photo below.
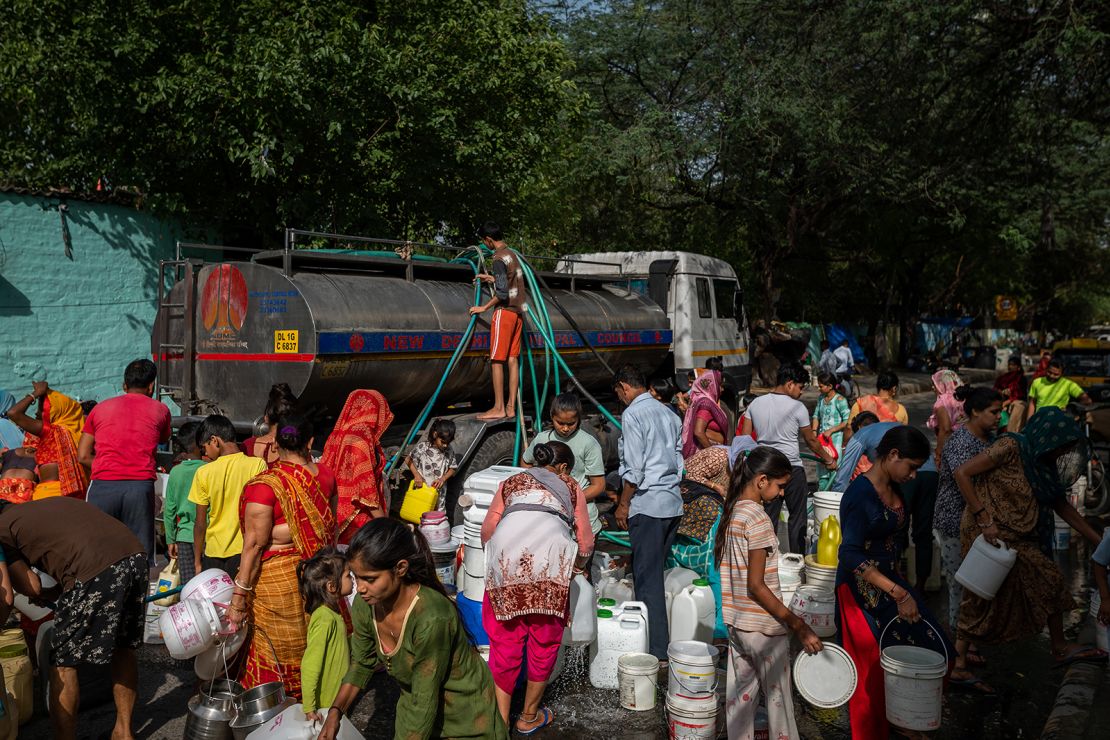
pixel 404 621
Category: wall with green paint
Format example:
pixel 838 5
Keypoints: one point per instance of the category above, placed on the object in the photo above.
pixel 79 308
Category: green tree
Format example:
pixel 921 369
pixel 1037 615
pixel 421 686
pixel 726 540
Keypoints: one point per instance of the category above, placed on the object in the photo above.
pixel 392 118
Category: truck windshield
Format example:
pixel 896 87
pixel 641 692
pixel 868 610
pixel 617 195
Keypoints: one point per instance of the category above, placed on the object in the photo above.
pixel 724 295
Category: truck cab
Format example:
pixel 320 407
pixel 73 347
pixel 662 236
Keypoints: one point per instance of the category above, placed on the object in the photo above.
pixel 703 301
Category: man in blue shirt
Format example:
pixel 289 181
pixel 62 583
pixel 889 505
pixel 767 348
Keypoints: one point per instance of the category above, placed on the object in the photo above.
pixel 867 432
pixel 650 505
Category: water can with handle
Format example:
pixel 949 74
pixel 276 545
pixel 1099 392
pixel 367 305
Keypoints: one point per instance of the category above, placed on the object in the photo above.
pixel 985 567
pixel 582 629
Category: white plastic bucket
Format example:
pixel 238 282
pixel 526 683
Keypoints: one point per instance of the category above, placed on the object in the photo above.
pixel 820 576
pixel 692 670
pixel 825 504
pixel 189 627
pixel 914 678
pixel 637 680
pixel 443 556
pixel 817 608
pixel 985 567
pixel 691 719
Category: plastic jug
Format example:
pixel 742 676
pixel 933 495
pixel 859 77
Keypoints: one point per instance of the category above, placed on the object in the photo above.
pixel 624 630
pixel 675 580
pixel 619 591
pixel 582 629
pixel 418 500
pixel 694 613
pixel 168 579
pixel 985 567
pixel 828 544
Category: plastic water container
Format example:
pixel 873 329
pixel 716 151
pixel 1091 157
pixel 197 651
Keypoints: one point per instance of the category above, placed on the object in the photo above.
pixel 189 627
pixel 213 584
pixel 825 504
pixel 821 576
pixel 619 591
pixel 618 632
pixel 817 608
pixel 418 501
pixel 694 613
pixel 691 719
pixel 435 527
pixel 692 670
pixel 985 567
pixel 482 486
pixel 674 581
pixel 582 629
pixel 638 681
pixel 913 679
pixel 444 555
pixel 474 556
pixel 791 565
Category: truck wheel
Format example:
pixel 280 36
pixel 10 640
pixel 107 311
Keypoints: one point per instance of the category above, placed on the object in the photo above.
pixel 496 449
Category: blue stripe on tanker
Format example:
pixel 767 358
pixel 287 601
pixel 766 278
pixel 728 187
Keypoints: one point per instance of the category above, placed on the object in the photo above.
pixel 348 343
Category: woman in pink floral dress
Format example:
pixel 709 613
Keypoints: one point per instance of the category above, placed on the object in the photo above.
pixel 537 536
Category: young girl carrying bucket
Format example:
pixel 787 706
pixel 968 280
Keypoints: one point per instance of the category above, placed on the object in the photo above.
pixel 759 646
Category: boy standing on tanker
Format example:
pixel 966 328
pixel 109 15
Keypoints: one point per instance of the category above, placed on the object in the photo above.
pixel 508 302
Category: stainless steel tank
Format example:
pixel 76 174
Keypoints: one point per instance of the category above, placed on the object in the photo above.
pixel 332 326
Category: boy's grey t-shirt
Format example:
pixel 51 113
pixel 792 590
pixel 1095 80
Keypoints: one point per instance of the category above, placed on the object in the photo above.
pixel 777 420
pixel 587 462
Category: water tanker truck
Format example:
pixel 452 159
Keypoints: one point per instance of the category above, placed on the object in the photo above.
pixel 331 321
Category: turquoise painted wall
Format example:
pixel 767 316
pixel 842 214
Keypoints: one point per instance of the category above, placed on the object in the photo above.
pixel 80 316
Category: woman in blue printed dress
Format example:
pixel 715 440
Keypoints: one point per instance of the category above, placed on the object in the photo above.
pixel 870 591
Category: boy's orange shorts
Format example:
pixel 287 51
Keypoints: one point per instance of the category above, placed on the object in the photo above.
pixel 504 335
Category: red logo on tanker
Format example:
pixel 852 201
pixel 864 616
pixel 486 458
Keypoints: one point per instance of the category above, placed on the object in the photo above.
pixel 356 342
pixel 224 301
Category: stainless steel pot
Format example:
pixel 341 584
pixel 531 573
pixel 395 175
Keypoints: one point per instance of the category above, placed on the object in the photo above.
pixel 211 712
pixel 260 698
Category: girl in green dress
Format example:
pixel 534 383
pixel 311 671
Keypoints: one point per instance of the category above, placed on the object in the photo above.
pixel 404 621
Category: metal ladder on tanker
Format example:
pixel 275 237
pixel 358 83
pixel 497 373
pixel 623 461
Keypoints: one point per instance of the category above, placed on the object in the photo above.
pixel 184 271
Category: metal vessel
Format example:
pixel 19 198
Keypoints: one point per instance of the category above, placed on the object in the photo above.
pixel 327 324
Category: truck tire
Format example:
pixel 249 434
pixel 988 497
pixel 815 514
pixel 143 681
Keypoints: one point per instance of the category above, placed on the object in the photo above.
pixel 496 449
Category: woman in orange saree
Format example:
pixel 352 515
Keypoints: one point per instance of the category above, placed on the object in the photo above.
pixel 57 430
pixel 287 515
pixel 354 452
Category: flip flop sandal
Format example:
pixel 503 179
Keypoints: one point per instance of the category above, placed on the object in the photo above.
pixel 1081 654
pixel 548 718
pixel 973 685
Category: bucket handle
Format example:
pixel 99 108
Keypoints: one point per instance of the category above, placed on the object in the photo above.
pixel 943 646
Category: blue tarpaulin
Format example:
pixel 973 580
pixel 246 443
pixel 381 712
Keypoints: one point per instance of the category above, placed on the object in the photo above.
pixel 837 333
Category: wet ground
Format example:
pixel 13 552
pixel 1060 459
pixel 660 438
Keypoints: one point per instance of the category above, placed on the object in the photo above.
pixel 1022 674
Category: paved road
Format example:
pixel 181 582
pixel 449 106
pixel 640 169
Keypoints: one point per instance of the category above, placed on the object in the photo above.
pixel 1023 675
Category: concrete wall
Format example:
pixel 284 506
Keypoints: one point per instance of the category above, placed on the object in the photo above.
pixel 80 312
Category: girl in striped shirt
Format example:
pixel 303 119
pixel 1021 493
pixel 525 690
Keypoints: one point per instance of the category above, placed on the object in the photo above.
pixel 751 600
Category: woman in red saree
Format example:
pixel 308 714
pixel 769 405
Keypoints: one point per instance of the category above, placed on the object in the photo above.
pixel 287 515
pixel 354 452
pixel 57 431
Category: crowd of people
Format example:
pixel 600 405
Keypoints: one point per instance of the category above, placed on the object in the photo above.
pixel 334 590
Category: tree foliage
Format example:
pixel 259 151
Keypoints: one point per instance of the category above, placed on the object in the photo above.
pixel 396 118
pixel 855 159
